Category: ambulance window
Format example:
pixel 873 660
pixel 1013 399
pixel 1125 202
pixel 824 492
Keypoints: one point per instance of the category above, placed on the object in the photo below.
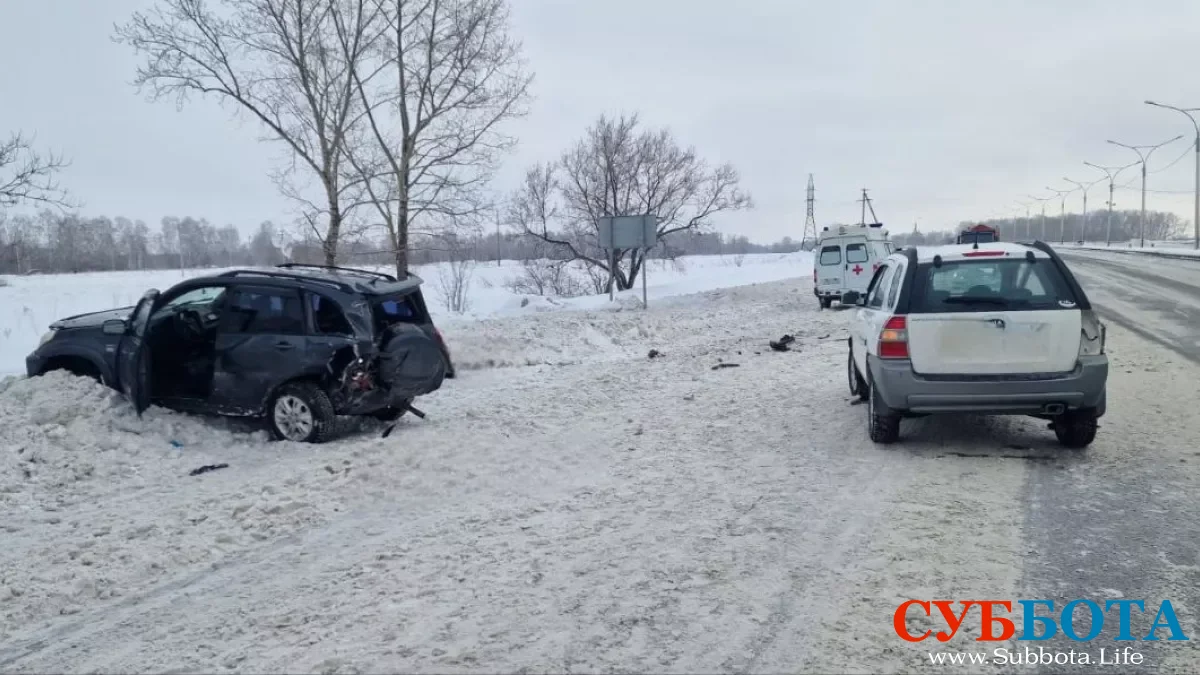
pixel 831 255
pixel 856 253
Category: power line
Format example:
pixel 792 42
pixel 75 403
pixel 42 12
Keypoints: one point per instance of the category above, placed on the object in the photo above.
pixel 1164 192
pixel 1187 151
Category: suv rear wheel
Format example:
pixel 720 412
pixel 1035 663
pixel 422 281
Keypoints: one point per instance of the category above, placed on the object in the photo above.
pixel 1076 429
pixel 301 412
pixel 883 425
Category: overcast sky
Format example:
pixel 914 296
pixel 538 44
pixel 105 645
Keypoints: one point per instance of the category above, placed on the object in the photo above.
pixel 946 110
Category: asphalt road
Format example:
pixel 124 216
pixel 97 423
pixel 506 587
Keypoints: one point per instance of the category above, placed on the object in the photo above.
pixel 1123 519
pixel 1156 298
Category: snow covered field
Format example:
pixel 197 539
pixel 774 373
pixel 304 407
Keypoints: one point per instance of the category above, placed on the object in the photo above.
pixel 29 304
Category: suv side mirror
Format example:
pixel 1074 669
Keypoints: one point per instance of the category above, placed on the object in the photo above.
pixel 113 327
pixel 852 298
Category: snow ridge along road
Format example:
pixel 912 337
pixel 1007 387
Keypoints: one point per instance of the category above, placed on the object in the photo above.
pixel 583 508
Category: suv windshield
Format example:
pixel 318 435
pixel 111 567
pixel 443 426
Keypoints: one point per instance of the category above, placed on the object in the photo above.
pixel 980 286
pixel 973 237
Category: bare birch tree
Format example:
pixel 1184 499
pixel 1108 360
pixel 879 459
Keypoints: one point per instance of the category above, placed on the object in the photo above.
pixel 287 63
pixel 29 176
pixel 439 80
pixel 618 170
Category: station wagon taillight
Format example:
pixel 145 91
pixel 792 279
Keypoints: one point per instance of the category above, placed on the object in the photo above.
pixel 893 339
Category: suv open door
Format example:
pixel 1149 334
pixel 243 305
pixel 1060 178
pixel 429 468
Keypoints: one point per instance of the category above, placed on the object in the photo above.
pixel 133 360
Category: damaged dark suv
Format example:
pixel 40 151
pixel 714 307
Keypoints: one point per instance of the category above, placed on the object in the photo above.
pixel 296 344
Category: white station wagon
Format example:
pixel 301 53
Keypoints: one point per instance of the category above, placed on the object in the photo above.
pixel 994 328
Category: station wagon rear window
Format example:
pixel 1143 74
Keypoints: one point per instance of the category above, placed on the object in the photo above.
pixel 831 255
pixel 992 285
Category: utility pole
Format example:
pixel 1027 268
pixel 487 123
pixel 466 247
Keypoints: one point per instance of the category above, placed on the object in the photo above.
pixel 1196 126
pixel 863 220
pixel 1143 157
pixel 810 221
pixel 1112 172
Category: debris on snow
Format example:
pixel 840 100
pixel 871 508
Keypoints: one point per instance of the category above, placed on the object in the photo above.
pixel 783 344
pixel 208 467
pixel 726 365
pixel 654 354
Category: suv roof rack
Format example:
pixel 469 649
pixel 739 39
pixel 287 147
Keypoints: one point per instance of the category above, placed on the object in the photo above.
pixel 340 285
pixel 336 269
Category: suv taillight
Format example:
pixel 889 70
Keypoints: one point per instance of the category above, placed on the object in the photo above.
pixel 893 339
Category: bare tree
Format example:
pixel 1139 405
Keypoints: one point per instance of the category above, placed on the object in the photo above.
pixel 454 276
pixel 29 176
pixel 618 170
pixel 440 79
pixel 287 63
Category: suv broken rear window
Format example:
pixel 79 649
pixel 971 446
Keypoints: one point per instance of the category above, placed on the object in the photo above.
pixel 990 285
pixel 389 309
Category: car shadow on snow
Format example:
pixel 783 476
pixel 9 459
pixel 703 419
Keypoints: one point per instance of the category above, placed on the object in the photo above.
pixel 983 437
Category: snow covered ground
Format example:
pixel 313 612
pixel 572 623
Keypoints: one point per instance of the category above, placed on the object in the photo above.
pixel 29 304
pixel 598 510
pixel 583 508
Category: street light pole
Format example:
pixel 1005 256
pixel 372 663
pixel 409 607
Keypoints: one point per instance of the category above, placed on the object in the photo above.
pixel 1144 157
pixel 1043 201
pixel 1196 126
pixel 1084 187
pixel 1112 172
pixel 1062 223
pixel 1025 205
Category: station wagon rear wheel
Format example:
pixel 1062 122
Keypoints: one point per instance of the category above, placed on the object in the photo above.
pixel 301 412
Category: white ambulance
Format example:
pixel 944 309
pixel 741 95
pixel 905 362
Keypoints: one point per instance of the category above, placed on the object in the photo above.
pixel 845 258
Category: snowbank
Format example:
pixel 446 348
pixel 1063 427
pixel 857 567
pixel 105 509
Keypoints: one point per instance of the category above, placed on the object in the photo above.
pixel 1173 249
pixel 29 304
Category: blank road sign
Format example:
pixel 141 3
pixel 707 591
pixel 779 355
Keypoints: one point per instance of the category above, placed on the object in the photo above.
pixel 625 232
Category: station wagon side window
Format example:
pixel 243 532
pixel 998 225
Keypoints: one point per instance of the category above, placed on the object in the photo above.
pixel 831 255
pixel 894 291
pixel 856 253
pixel 328 317
pixel 201 299
pixel 879 286
pixel 271 311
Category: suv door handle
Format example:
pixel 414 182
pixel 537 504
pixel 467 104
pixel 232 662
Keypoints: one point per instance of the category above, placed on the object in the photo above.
pixel 284 346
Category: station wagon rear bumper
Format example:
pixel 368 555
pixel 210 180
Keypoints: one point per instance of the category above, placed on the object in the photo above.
pixel 1031 394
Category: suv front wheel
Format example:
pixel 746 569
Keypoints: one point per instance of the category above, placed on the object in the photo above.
pixel 301 412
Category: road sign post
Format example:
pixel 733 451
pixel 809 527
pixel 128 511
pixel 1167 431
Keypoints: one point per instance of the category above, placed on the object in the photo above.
pixel 621 233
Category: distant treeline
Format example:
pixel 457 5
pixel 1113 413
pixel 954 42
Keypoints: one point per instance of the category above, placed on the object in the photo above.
pixel 53 241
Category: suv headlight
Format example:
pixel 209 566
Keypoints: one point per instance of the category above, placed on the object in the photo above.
pixel 1091 335
pixel 46 338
